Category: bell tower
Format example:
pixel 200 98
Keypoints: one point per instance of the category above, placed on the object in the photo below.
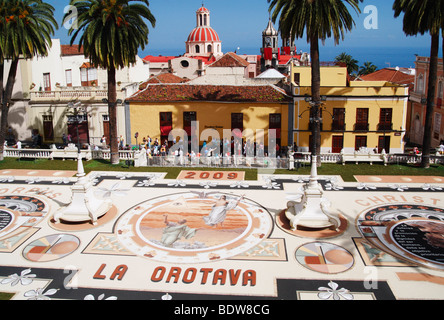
pixel 270 47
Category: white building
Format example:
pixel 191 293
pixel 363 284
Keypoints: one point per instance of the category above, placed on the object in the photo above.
pixel 48 85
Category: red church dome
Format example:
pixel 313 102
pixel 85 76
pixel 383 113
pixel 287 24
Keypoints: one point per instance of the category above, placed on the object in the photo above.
pixel 203 40
pixel 203 10
pixel 203 34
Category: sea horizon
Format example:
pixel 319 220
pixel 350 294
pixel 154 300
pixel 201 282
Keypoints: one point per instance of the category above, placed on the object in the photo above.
pixel 382 57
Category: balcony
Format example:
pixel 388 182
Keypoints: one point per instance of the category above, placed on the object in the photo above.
pixel 364 126
pixel 338 126
pixel 91 95
pixel 385 127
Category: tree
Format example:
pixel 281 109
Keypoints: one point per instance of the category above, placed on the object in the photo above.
pixel 111 34
pixel 367 68
pixel 317 20
pixel 421 17
pixel 26 27
pixel 352 64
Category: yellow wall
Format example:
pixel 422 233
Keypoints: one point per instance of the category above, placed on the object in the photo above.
pixel 373 95
pixel 145 117
pixel 330 76
pixel 374 107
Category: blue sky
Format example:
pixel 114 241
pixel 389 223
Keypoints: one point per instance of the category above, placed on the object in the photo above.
pixel 240 23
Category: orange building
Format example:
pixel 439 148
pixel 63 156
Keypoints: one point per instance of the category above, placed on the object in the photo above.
pixel 418 98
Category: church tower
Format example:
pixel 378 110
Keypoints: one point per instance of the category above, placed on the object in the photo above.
pixel 203 40
pixel 270 48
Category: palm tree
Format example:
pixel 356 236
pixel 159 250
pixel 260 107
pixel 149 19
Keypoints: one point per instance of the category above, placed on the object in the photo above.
pixel 111 34
pixel 352 64
pixel 367 68
pixel 318 20
pixel 420 17
pixel 26 27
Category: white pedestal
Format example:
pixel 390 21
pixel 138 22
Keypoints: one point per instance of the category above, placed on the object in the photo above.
pixel 312 211
pixel 84 205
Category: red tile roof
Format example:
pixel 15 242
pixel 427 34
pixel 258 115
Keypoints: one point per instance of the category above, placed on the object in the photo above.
pixel 162 78
pixel 213 93
pixel 73 50
pixel 157 59
pixel 392 75
pixel 230 59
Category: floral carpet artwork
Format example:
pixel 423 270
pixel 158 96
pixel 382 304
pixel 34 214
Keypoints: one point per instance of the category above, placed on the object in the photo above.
pixel 212 235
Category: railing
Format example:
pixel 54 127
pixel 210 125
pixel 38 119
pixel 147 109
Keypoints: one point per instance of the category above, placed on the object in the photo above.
pixel 141 159
pixel 70 95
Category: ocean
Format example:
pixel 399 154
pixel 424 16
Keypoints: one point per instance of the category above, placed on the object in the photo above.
pixel 382 57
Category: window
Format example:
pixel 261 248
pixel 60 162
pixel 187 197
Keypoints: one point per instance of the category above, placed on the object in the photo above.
pixel 188 118
pixel 166 125
pixel 360 142
pixel 338 123
pixel 361 119
pixel 88 75
pixel 197 47
pixel 337 144
pixel 48 129
pixel 210 48
pixel 68 76
pixel 384 144
pixel 47 81
pixel 237 121
pixel 385 119
pixel 420 84
pixel 297 78
pixel 275 124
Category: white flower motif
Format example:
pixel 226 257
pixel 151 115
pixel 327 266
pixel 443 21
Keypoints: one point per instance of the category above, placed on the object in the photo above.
pixel 399 187
pixel 427 186
pixel 177 183
pixel 365 186
pixel 39 294
pixel 114 190
pixel 332 186
pixel 33 180
pixel 300 179
pixel 7 179
pixel 24 278
pixel 94 181
pixel 61 180
pixel 101 297
pixel 269 184
pixel 332 291
pixel 239 184
pixel 208 184
pixel 124 176
pixel 146 183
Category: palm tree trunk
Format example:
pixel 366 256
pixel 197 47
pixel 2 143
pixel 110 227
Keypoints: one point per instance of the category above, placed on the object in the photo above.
pixel 433 77
pixel 316 97
pixel 6 102
pixel 112 110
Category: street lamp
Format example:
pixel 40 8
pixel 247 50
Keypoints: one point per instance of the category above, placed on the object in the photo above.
pixel 78 110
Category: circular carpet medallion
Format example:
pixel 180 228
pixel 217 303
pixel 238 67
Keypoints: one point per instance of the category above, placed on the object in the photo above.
pixel 193 227
pixel 411 232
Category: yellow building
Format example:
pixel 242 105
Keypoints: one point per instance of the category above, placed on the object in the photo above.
pixel 355 114
pixel 160 108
